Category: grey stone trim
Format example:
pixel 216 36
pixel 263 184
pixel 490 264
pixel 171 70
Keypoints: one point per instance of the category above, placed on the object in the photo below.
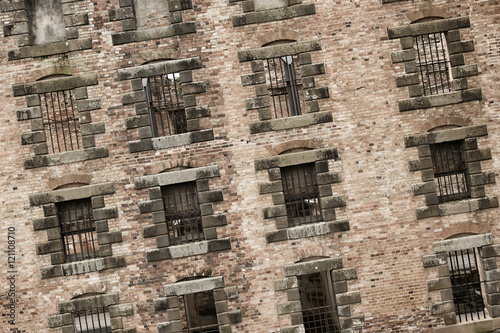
pixel 425 102
pixel 485 325
pixel 390 1
pixel 453 134
pixel 277 14
pixel 476 178
pixel 116 311
pixel 457 207
pixel 189 249
pixel 417 29
pixel 307 230
pixel 433 260
pixel 81 267
pixel 460 72
pixel 193 286
pixel 126 14
pixel 291 122
pixel 344 298
pixel 314 266
pixel 71 194
pixel 62 83
pixel 20 28
pixel 141 120
pixel 296 158
pixel 67 157
pixel 50 49
pixel 155 33
pixel 170 302
pixel 282 50
pixel 462 243
pixel 159 68
pixel 177 177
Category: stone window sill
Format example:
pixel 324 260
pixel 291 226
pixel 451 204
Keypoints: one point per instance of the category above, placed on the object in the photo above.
pixel 307 230
pixel 171 141
pixel 457 207
pixel 190 249
pixel 484 325
pixel 82 267
pixel 50 49
pixel 291 122
pixel 154 33
pixel 66 157
pixel 425 102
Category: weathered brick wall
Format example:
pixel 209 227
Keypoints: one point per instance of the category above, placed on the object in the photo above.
pixel 385 243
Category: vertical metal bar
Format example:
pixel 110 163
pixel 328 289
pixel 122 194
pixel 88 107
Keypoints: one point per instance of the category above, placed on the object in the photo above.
pixel 65 108
pixel 446 61
pixel 271 88
pixel 420 63
pixel 75 119
pixel 55 121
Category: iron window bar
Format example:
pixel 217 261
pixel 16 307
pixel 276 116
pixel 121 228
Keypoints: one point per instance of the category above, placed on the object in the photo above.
pixel 450 171
pixel 301 194
pixel 201 314
pixel 433 63
pixel 78 231
pixel 317 298
pixel 60 120
pixel 165 103
pixel 284 85
pixel 466 284
pixel 182 212
pixel 92 321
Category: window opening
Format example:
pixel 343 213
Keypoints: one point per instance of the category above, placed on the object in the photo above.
pixel 433 63
pixel 182 212
pixel 301 194
pixel 77 230
pixel 166 107
pixel 466 284
pixel 200 313
pixel 450 171
pixel 317 299
pixel 92 321
pixel 284 85
pixel 61 123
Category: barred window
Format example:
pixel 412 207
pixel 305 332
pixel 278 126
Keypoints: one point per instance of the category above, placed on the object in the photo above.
pixel 92 321
pixel 200 315
pixel 301 194
pixel 284 86
pixel 466 284
pixel 78 231
pixel 166 106
pixel 450 171
pixel 182 213
pixel 433 63
pixel 61 122
pixel 317 298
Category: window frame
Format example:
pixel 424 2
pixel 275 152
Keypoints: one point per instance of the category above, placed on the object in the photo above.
pixel 165 110
pixel 86 226
pixel 450 171
pixel 329 312
pixel 297 214
pixel 181 215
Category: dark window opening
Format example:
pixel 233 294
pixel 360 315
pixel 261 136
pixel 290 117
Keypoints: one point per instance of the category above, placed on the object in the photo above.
pixel 182 213
pixel 284 86
pixel 317 298
pixel 166 106
pixel 92 321
pixel 450 171
pixel 466 285
pixel 78 230
pixel 200 315
pixel 433 63
pixel 61 122
pixel 301 194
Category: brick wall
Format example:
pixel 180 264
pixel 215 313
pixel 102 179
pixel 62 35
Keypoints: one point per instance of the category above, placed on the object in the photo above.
pixel 384 242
